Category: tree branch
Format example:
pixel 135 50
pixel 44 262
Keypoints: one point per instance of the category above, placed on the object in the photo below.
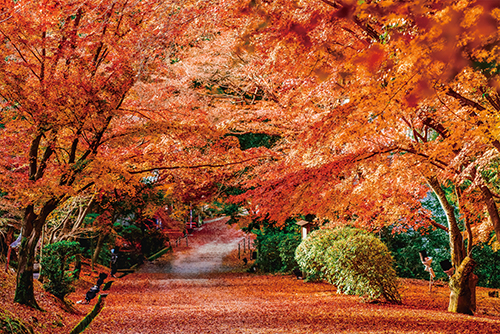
pixel 467 102
pixel 33 156
pixel 439 128
pixel 332 3
pixel 46 156
pixel 435 162
pixel 195 166
pixel 20 55
pixel 468 228
pixel 436 224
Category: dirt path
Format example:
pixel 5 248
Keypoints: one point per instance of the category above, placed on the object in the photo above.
pixel 208 246
pixel 193 293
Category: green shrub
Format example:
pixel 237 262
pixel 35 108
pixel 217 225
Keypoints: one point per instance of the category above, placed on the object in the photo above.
pixel 405 247
pixel 268 259
pixel 488 265
pixel 355 261
pixel 362 265
pixel 55 267
pixel 311 252
pixel 275 244
pixel 131 233
pixel 286 248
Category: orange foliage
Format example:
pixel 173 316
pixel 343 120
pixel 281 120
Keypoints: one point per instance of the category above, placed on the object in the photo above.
pixel 386 92
pixel 368 98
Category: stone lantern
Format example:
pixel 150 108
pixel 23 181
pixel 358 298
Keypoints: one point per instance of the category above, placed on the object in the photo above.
pixel 306 227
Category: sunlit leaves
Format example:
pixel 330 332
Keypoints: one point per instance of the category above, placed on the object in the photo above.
pixel 386 92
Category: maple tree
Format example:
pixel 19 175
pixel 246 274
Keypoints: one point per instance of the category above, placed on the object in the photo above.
pixel 67 70
pixel 371 103
pixel 137 210
pixel 379 102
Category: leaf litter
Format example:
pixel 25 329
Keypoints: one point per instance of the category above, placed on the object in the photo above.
pixel 204 288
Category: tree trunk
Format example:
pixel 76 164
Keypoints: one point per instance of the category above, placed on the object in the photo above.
pixel 98 247
pixel 24 281
pixel 463 288
pixel 492 209
pixel 78 266
pixel 463 282
pixel 457 248
pixel 32 230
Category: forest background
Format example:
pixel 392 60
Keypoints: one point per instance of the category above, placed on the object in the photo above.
pixel 119 115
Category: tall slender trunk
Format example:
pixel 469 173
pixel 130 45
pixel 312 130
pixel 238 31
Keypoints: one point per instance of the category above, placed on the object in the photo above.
pixel 78 266
pixel 463 282
pixel 98 248
pixel 457 248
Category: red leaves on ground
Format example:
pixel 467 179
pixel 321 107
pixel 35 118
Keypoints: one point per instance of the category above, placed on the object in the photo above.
pixel 238 302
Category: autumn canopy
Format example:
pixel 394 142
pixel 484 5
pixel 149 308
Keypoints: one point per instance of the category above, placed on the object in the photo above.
pixel 366 106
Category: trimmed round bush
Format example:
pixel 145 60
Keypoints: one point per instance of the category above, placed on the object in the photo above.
pixel 353 260
pixel 311 253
